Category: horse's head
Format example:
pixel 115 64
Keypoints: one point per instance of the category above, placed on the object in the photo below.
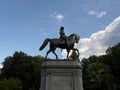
pixel 74 37
pixel 77 37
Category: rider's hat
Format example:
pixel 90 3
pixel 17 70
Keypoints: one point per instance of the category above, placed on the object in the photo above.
pixel 62 28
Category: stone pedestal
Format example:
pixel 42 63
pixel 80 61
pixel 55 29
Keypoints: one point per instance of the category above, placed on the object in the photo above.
pixel 61 75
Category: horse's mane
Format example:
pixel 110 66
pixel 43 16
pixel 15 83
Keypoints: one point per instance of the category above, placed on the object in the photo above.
pixel 71 35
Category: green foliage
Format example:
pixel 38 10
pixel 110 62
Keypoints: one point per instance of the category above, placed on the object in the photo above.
pixel 0 70
pixel 112 58
pixel 25 68
pixel 74 55
pixel 102 72
pixel 10 84
pixel 96 75
pixel 99 76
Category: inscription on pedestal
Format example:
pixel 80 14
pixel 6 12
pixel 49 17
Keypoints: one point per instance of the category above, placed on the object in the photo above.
pixel 61 83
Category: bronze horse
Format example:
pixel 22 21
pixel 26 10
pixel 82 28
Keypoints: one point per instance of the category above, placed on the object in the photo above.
pixel 57 43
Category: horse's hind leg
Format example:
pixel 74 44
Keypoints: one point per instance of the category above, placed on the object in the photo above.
pixel 48 53
pixel 55 54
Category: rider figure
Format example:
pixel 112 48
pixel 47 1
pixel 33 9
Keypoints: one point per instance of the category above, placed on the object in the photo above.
pixel 63 36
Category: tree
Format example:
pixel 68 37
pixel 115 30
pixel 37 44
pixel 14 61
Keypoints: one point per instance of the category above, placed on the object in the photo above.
pixel 97 75
pixel 112 59
pixel 10 84
pixel 25 68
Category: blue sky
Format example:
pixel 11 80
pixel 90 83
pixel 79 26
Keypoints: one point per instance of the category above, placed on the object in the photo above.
pixel 24 24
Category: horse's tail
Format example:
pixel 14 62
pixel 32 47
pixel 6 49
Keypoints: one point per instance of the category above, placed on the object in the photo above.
pixel 44 44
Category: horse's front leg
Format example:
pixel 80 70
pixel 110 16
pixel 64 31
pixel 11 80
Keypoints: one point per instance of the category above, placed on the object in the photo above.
pixel 68 51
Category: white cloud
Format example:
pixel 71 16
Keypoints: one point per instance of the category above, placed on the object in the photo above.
pixel 99 42
pixel 1 66
pixel 101 14
pixel 97 13
pixel 58 17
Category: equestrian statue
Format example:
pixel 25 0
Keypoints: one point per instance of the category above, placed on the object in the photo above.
pixel 63 42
